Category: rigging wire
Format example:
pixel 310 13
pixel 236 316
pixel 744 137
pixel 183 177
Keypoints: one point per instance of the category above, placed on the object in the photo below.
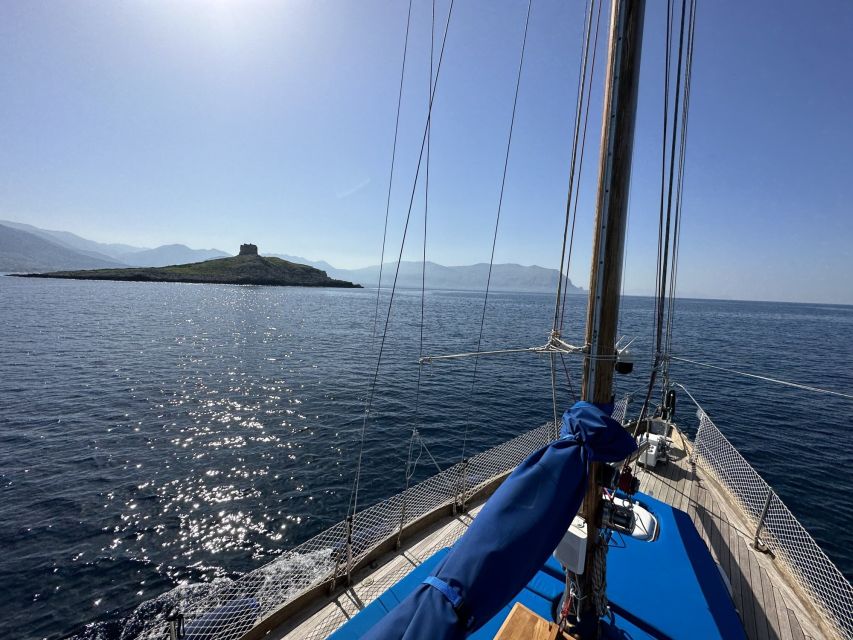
pixel 786 383
pixel 568 379
pixel 664 139
pixel 624 262
pixel 393 161
pixel 674 139
pixel 680 192
pixel 590 5
pixel 497 225
pixel 671 177
pixel 429 453
pixel 666 356
pixel 353 504
pixel 582 156
pixel 410 468
pixel 575 136
pixel 666 227
pixel 577 191
pixel 574 187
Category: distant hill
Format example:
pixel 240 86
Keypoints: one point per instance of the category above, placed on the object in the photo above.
pixel 23 251
pixel 505 277
pixel 170 254
pixel 110 253
pixel 88 253
pixel 242 269
pixel 318 264
pixel 101 250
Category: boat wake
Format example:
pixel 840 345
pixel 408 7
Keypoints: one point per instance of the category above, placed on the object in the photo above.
pixel 270 585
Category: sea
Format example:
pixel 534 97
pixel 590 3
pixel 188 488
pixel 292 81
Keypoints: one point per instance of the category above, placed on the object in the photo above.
pixel 157 438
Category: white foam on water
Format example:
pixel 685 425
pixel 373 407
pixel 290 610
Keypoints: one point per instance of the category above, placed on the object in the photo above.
pixel 271 585
pixel 290 574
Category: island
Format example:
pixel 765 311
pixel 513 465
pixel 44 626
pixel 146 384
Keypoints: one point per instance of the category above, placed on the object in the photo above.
pixel 246 268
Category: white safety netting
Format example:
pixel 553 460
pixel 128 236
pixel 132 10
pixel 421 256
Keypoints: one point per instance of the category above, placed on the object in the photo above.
pixel 234 607
pixel 620 409
pixel 779 530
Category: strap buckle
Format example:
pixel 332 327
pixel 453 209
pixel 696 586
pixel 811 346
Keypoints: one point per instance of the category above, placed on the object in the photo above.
pixel 454 598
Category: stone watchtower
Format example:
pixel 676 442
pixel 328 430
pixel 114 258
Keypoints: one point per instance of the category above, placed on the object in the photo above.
pixel 248 249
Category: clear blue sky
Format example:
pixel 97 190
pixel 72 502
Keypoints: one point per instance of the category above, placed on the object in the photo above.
pixel 220 122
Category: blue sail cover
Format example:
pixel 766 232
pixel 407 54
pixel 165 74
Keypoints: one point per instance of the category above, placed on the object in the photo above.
pixel 511 538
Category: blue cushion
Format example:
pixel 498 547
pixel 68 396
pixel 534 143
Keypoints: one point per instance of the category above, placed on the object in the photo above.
pixel 546 586
pixel 677 567
pixel 690 578
pixel 554 568
pixel 360 623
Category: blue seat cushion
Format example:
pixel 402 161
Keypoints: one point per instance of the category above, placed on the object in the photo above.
pixel 359 624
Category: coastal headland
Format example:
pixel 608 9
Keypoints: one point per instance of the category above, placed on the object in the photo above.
pixel 246 268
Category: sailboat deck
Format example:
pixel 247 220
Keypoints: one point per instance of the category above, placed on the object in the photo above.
pixel 769 601
pixel 376 579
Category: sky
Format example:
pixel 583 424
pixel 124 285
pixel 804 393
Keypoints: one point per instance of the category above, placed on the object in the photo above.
pixel 221 122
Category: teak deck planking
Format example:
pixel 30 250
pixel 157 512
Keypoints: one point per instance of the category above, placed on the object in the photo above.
pixel 769 601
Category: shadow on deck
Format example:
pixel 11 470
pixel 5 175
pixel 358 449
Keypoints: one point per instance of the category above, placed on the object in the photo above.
pixel 754 579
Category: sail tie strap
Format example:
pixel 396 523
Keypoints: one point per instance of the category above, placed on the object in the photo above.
pixel 454 597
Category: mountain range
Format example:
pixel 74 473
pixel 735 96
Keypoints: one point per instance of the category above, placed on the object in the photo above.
pixel 505 277
pixel 26 248
pixel 116 255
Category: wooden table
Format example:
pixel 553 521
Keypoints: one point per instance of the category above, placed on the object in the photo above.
pixel 523 624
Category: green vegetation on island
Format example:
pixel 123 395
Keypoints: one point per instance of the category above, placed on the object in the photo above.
pixel 246 268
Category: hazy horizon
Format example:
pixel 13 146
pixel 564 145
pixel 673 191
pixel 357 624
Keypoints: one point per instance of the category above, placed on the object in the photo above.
pixel 681 295
pixel 210 124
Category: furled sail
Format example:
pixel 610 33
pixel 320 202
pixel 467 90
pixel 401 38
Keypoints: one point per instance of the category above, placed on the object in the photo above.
pixel 513 535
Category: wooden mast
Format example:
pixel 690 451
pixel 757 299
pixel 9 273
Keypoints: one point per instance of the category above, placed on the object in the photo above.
pixel 614 176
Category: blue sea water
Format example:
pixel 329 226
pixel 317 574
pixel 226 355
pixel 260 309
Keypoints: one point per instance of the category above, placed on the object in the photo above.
pixel 155 435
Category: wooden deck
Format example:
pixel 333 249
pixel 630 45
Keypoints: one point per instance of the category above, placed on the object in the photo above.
pixel 770 603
